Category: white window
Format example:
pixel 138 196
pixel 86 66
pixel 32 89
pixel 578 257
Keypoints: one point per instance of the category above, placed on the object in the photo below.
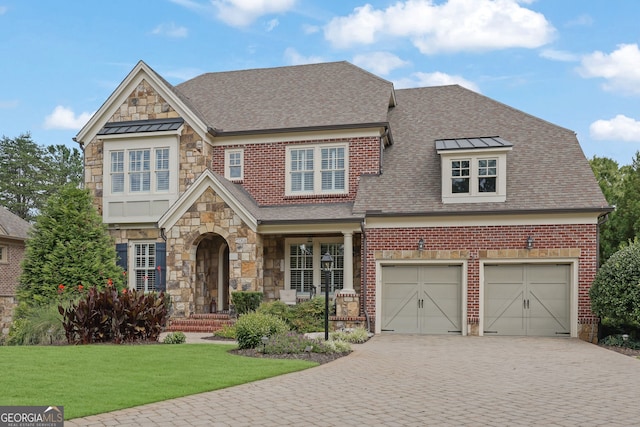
pixel 474 177
pixel 304 269
pixel 144 267
pixel 234 164
pixel 313 170
pixel 4 257
pixel 138 169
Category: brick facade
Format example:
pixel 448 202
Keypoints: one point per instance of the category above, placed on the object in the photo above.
pixel 364 155
pixel 551 242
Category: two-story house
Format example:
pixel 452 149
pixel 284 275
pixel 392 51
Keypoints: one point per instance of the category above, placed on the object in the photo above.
pixel 13 234
pixel 445 212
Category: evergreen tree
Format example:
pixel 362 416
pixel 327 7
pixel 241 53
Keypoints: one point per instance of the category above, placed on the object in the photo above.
pixel 68 246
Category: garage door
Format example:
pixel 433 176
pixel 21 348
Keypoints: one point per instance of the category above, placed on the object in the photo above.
pixel 422 299
pixel 527 300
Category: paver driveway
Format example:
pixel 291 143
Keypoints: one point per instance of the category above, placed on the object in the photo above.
pixel 397 380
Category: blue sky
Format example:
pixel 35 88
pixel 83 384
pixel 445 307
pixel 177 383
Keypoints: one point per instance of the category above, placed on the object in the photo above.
pixel 575 63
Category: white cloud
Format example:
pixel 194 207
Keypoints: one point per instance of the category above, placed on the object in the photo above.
pixel 381 63
pixel 294 58
pixel 456 25
pixel 310 29
pixel 237 13
pixel 619 128
pixel 559 55
pixel 620 68
pixel 583 20
pixel 170 30
pixel 272 24
pixel 435 79
pixel 65 118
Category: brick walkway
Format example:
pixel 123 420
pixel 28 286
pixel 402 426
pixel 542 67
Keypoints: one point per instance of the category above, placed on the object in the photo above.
pixel 409 380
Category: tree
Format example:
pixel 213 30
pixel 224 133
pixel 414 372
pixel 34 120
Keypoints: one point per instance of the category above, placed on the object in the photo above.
pixel 68 246
pixel 31 173
pixel 615 292
pixel 621 187
pixel 21 176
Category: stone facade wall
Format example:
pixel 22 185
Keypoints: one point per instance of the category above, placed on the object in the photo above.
pixel 9 275
pixel 269 159
pixel 144 103
pixel 211 215
pixel 487 243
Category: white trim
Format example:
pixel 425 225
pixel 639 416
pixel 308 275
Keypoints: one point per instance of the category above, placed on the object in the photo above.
pixel 310 228
pixel 474 196
pixel 479 220
pixel 316 136
pixel 227 163
pixel 139 73
pixel 463 264
pixel 317 255
pixel 206 180
pixel 317 168
pixel 573 285
pixel 4 254
pixel 147 198
pixel 221 266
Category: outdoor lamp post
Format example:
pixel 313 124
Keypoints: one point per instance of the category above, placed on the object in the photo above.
pixel 327 263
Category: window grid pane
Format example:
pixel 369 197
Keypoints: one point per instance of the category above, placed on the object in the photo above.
pixel 487 175
pixel 117 171
pixel 332 168
pixel 302 170
pixel 235 165
pixel 460 172
pixel 336 250
pixel 162 169
pixel 301 267
pixel 144 266
pixel 139 170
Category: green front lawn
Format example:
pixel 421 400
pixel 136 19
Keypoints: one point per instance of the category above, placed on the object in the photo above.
pixel 93 379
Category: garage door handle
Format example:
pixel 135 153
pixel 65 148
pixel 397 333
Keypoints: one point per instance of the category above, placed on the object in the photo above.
pixel 525 304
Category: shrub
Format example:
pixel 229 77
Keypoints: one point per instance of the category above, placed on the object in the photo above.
pixel 251 327
pixel 245 302
pixel 107 316
pixel 175 338
pixel 295 343
pixel 354 336
pixel 227 331
pixel 276 308
pixel 619 341
pixel 615 292
pixel 308 316
pixel 38 325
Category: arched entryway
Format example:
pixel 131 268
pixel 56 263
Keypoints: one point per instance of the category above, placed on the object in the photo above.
pixel 212 274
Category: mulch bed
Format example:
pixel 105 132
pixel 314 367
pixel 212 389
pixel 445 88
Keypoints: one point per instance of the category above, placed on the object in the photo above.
pixel 319 358
pixel 623 350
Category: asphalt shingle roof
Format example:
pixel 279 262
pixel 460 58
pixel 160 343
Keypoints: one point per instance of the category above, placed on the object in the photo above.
pixel 329 94
pixel 546 169
pixel 12 225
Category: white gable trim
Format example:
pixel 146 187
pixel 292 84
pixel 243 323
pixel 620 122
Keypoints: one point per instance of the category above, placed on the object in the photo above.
pixel 139 73
pixel 205 181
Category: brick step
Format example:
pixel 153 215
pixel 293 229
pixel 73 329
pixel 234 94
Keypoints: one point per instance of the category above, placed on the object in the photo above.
pixel 200 323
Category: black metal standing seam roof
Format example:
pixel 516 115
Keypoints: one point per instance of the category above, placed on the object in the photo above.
pixel 472 143
pixel 137 126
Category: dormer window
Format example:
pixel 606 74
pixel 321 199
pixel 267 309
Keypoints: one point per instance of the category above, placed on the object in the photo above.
pixel 474 170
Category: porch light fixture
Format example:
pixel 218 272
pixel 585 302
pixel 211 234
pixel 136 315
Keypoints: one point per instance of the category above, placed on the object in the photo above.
pixel 529 243
pixel 327 263
pixel 420 244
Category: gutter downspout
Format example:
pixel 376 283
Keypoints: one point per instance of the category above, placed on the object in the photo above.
pixel 364 275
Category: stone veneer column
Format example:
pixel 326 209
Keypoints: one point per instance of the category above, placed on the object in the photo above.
pixel 347 301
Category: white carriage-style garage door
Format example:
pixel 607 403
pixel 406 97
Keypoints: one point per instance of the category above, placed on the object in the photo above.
pixel 528 299
pixel 422 299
